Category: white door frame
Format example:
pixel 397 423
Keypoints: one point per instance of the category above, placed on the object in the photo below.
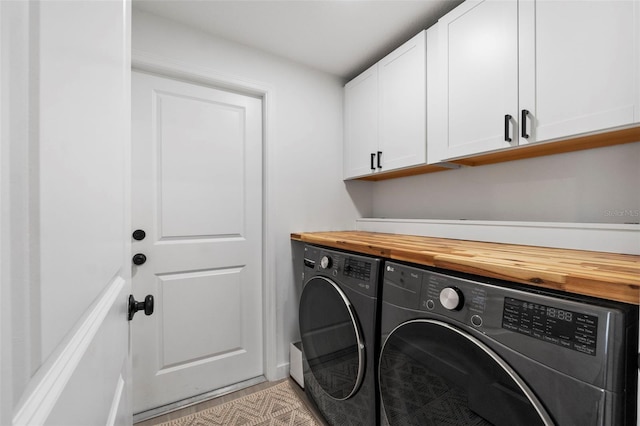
pixel 5 294
pixel 143 61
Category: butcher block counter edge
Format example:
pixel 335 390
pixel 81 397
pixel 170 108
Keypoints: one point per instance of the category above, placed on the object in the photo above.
pixel 608 276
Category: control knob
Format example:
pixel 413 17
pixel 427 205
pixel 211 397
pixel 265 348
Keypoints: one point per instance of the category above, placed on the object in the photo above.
pixel 325 262
pixel 452 298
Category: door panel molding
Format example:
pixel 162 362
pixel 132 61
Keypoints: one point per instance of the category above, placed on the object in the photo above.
pixel 167 67
pixel 178 117
pixel 173 289
pixel 50 382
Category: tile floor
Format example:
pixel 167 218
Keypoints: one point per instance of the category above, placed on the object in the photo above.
pixel 231 396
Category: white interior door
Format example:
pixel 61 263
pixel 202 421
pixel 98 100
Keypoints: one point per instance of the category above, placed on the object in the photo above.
pixel 197 194
pixel 64 247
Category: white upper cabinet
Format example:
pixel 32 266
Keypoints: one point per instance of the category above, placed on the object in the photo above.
pixel 579 66
pixel 478 64
pixel 402 81
pixel 385 113
pixel 361 123
pixel 515 72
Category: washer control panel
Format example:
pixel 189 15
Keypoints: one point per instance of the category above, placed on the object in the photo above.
pixel 493 309
pixel 423 290
pixel 572 330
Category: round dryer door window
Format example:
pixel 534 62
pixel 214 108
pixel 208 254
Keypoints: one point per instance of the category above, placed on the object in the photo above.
pixel 434 374
pixel 331 338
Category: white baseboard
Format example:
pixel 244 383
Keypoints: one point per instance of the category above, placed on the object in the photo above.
pixel 282 371
pixel 612 238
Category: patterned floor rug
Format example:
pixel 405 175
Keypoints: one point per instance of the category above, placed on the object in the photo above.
pixel 274 406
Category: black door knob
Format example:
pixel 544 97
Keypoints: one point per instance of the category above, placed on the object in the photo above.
pixel 139 235
pixel 135 306
pixel 139 259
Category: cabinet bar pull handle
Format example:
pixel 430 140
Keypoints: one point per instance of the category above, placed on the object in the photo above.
pixel 507 121
pixel 373 155
pixel 523 123
pixel 379 159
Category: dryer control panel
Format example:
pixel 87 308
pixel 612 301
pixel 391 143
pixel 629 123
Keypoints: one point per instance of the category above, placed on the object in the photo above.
pixel 355 271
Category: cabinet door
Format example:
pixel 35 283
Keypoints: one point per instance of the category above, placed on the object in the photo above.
pixel 361 123
pixel 479 68
pixel 579 66
pixel 403 114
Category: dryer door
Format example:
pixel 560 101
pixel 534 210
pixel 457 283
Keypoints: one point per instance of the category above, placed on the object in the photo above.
pixel 331 338
pixel 432 373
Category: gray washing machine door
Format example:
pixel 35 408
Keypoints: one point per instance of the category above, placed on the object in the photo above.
pixel 431 373
pixel 331 338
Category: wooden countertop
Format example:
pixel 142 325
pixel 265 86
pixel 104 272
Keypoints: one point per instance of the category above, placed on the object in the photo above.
pixel 605 275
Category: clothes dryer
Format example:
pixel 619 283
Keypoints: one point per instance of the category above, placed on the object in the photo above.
pixel 465 350
pixel 339 327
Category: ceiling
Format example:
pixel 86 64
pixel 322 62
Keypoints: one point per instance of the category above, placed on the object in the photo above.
pixel 341 37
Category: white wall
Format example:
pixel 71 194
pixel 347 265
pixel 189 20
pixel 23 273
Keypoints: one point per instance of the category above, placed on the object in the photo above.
pixel 304 150
pixel 592 186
